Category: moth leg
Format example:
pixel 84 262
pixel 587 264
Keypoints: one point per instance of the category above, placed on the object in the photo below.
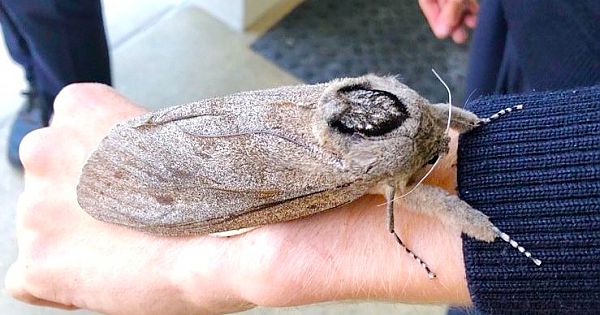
pixel 461 120
pixel 389 197
pixel 452 211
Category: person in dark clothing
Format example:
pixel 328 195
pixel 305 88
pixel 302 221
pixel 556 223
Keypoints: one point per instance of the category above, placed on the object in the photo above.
pixel 543 192
pixel 535 45
pixel 57 43
pixel 538 187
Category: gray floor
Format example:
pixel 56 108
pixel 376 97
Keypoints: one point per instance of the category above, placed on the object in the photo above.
pixel 164 53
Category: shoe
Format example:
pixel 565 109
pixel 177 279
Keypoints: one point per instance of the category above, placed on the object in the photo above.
pixel 35 114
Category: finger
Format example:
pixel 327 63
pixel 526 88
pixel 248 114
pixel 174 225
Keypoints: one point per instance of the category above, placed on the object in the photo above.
pixel 36 216
pixel 15 285
pixel 431 10
pixel 472 9
pixel 460 35
pixel 472 6
pixel 451 16
pixel 25 218
pixel 471 20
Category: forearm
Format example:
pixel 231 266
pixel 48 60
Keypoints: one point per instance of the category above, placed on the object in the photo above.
pixel 345 254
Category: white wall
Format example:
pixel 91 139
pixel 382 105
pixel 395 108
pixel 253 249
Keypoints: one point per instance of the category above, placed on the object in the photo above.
pixel 239 14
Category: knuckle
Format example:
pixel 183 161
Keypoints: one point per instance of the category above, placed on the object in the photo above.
pixel 68 97
pixel 33 149
pixel 74 95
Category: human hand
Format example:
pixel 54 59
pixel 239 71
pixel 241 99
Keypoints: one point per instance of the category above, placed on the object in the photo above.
pixel 69 260
pixel 450 17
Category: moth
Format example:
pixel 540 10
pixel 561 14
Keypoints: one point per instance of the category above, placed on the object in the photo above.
pixel 260 157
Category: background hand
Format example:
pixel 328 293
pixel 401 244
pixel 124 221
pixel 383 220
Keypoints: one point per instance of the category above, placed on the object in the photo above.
pixel 450 17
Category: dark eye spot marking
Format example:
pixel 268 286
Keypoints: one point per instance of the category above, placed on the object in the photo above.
pixel 371 112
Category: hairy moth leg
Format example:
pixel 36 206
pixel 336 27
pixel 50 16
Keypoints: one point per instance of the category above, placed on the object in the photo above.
pixel 461 119
pixel 389 197
pixel 464 120
pixel 452 211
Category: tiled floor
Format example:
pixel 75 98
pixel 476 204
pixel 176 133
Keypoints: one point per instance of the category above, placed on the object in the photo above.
pixel 163 53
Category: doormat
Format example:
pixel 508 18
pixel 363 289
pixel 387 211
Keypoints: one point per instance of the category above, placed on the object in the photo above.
pixel 325 39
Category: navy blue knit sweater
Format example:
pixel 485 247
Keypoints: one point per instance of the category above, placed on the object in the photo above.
pixel 536 173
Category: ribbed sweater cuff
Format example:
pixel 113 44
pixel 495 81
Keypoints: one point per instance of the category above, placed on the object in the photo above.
pixel 536 174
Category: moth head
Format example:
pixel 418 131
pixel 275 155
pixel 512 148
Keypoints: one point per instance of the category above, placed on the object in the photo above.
pixel 432 140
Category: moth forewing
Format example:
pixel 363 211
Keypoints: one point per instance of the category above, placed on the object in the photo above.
pixel 189 169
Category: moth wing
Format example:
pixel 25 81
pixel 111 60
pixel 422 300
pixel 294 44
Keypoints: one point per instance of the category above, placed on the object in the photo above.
pixel 190 168
pixel 289 209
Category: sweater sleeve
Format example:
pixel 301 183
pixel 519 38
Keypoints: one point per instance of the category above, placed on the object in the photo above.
pixel 536 174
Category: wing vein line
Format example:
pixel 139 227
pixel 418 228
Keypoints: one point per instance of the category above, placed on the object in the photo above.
pixel 308 147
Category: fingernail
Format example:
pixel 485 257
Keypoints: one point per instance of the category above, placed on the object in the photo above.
pixel 443 31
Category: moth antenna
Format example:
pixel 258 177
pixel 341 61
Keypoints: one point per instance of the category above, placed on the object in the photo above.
pixel 423 264
pixel 516 245
pixel 501 113
pixel 449 99
pixel 469 97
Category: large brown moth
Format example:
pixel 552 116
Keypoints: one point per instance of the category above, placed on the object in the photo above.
pixel 261 157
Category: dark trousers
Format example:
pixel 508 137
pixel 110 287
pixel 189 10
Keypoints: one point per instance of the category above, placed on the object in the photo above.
pixel 522 46
pixel 57 42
